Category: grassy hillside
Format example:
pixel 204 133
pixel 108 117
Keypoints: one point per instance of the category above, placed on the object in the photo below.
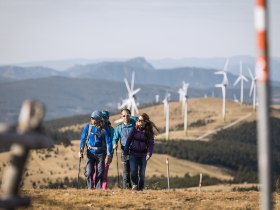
pixel 222 154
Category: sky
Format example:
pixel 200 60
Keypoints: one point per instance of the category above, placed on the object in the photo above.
pixel 39 30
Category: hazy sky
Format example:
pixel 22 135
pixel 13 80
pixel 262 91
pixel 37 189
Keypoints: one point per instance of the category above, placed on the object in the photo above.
pixel 35 30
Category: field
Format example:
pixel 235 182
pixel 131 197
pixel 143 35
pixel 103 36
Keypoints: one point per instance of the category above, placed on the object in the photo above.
pixel 148 199
pixel 60 163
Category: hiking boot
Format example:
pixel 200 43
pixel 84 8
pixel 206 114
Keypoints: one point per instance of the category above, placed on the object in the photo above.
pixel 134 187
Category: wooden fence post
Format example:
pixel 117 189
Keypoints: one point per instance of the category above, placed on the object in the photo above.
pixel 23 137
pixel 167 171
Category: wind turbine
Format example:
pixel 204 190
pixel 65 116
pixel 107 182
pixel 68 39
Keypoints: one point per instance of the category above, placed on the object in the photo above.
pixel 253 88
pixel 130 101
pixel 240 78
pixel 223 85
pixel 183 92
pixel 166 112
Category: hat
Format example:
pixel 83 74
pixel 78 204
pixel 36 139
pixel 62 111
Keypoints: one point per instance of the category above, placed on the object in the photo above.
pixel 105 114
pixel 97 115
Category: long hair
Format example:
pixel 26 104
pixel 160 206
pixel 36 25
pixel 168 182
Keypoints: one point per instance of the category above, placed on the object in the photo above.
pixel 149 127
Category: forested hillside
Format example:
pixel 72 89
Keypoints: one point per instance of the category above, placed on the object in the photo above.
pixel 234 148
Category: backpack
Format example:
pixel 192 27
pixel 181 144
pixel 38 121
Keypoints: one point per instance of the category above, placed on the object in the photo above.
pixel 102 134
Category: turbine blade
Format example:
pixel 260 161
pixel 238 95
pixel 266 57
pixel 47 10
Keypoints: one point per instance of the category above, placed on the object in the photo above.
pixel 135 91
pixel 226 65
pixel 219 72
pixel 219 85
pixel 244 78
pixel 132 81
pixel 134 106
pixel 236 81
pixel 251 74
pixel 126 84
pixel 252 87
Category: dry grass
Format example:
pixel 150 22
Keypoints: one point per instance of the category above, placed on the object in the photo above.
pixel 149 199
pixel 45 166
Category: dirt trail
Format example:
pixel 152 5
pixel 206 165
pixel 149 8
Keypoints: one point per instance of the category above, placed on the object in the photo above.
pixel 224 127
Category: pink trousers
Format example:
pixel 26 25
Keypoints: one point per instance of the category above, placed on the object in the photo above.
pixel 105 177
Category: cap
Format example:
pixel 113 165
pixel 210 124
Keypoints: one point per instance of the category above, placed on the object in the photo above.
pixel 96 115
pixel 105 114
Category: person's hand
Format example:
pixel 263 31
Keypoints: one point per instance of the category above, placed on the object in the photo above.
pixel 81 155
pixel 148 157
pixel 108 160
pixel 115 146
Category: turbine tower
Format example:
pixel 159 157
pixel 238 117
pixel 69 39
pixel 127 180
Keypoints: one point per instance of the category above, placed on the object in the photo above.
pixel 253 88
pixel 186 114
pixel 130 101
pixel 241 78
pixel 157 98
pixel 223 85
pixel 166 112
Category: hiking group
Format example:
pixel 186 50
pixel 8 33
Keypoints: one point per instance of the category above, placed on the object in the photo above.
pixel 99 140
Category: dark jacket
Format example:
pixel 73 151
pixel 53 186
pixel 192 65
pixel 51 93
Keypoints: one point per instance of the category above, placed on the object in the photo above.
pixel 137 144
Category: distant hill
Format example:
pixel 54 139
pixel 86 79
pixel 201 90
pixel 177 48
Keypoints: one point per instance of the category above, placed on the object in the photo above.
pixel 19 73
pixel 218 63
pixel 81 88
pixel 198 77
pixel 69 96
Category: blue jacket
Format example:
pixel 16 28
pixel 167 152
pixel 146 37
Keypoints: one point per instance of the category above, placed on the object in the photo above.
pixel 111 133
pixel 96 139
pixel 122 132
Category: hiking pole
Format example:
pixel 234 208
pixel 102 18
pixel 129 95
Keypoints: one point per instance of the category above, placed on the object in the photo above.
pixel 78 181
pixel 118 167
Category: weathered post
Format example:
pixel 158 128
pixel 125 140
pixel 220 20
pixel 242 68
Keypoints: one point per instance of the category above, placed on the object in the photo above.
pixel 167 171
pixel 264 150
pixel 200 182
pixel 26 136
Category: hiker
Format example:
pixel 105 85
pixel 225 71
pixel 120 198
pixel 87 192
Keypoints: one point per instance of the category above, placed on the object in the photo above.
pixel 121 133
pixel 107 126
pixel 99 149
pixel 139 147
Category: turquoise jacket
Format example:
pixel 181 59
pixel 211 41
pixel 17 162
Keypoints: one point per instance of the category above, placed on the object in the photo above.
pixel 122 132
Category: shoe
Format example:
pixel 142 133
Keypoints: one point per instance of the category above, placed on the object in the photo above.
pixel 134 187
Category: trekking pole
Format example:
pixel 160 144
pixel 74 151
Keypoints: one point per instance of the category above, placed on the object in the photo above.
pixel 118 167
pixel 78 181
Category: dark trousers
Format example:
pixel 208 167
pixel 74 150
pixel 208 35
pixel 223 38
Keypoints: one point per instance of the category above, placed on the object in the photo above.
pixel 126 171
pixel 93 160
pixel 137 171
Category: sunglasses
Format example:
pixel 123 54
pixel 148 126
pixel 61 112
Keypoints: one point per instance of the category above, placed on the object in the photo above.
pixel 125 115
